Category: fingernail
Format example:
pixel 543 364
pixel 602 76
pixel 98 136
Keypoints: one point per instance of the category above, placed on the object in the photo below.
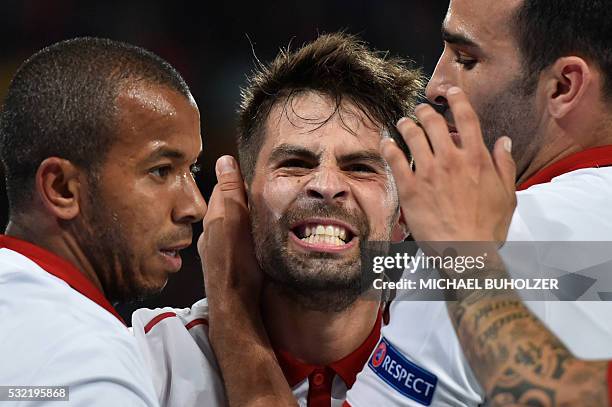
pixel 400 121
pixel 225 165
pixel 387 140
pixel 453 90
pixel 508 144
pixel 385 143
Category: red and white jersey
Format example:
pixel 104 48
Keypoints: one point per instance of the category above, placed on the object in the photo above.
pixel 57 329
pixel 568 201
pixel 185 372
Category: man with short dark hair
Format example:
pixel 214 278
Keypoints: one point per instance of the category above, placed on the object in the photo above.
pixel 538 72
pixel 318 190
pixel 98 139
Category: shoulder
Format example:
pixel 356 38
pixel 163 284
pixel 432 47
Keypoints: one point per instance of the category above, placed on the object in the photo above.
pixel 573 206
pixel 174 343
pixel 88 361
pixel 145 321
pixel 418 361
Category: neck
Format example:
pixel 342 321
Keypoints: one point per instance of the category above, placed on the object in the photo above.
pixel 565 142
pixel 317 337
pixel 544 158
pixel 61 243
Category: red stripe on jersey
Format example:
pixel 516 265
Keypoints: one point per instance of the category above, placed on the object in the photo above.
pixel 157 320
pixel 346 404
pixel 196 322
pixel 610 382
pixel 60 268
pixel 320 387
pixel 590 158
pixel 320 378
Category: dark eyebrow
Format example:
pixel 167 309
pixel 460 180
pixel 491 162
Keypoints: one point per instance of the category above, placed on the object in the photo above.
pixel 458 39
pixel 165 152
pixel 289 150
pixel 364 156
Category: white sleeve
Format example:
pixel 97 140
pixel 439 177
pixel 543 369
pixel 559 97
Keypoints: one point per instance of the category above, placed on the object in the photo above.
pixel 99 369
pixel 562 229
pixel 178 355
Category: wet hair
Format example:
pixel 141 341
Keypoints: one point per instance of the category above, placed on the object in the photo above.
pixel 62 103
pixel 339 66
pixel 549 29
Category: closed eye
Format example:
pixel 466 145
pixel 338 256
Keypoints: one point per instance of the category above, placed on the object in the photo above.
pixel 359 167
pixel 295 163
pixel 467 63
pixel 466 60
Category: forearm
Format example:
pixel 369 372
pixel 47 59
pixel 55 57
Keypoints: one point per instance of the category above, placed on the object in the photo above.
pixel 251 374
pixel 516 358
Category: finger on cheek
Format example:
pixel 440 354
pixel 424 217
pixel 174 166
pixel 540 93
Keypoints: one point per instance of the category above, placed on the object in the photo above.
pixel 436 129
pixel 386 147
pixel 417 143
pixel 396 159
pixel 466 120
pixel 504 163
pixel 225 165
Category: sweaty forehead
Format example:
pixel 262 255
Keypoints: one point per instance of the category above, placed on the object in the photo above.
pixel 148 113
pixel 310 118
pixel 483 21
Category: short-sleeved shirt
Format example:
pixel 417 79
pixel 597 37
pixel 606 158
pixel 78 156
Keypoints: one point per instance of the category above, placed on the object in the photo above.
pixel 57 329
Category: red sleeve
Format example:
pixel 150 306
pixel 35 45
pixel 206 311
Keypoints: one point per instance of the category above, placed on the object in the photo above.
pixel 346 404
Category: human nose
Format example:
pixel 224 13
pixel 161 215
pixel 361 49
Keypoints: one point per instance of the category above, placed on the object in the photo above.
pixel 191 206
pixel 327 185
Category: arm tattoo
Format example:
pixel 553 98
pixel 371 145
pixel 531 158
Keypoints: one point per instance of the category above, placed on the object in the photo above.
pixel 517 360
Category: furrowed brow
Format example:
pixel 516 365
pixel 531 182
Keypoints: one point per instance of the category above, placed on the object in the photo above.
pixel 285 151
pixel 364 156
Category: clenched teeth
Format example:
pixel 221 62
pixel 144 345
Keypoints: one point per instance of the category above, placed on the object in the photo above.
pixel 328 234
pixel 317 239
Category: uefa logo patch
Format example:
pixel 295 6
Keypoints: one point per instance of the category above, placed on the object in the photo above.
pixel 403 375
pixel 379 354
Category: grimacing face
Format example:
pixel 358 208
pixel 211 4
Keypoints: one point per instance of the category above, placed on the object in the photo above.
pixel 141 203
pixel 482 57
pixel 320 189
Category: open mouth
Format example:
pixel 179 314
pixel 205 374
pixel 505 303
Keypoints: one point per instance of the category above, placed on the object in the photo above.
pixel 323 233
pixel 172 255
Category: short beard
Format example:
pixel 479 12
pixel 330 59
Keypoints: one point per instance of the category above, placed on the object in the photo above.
pixel 103 241
pixel 315 282
pixel 512 113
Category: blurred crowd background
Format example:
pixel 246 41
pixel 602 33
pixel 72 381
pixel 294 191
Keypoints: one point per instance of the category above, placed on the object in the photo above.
pixel 213 45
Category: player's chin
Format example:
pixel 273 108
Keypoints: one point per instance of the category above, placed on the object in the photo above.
pixel 151 286
pixel 137 288
pixel 154 277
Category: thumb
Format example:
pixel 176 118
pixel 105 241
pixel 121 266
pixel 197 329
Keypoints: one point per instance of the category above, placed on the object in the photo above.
pixel 229 179
pixel 504 163
pixel 233 194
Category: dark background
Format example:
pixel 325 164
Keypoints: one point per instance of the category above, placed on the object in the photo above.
pixel 208 42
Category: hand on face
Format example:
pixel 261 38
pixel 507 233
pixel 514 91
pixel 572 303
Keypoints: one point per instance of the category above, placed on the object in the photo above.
pixel 459 191
pixel 231 272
